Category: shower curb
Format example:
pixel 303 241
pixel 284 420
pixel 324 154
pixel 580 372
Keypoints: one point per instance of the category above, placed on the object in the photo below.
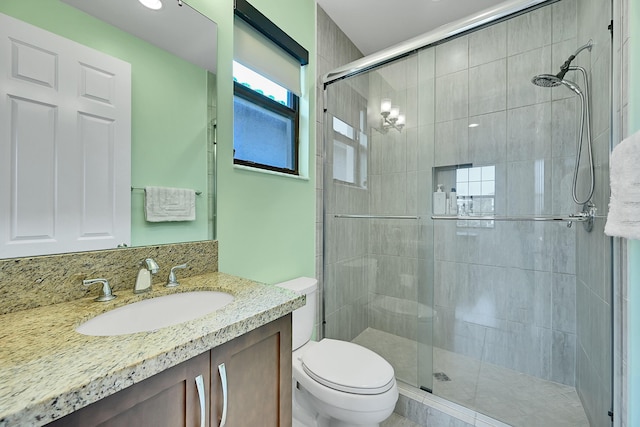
pixel 427 409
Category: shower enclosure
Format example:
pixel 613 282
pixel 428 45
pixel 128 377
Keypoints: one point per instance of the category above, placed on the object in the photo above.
pixel 500 299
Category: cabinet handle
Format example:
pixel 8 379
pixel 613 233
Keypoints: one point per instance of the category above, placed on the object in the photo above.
pixel 200 387
pixel 223 380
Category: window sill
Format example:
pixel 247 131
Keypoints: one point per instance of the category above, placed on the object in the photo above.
pixel 269 172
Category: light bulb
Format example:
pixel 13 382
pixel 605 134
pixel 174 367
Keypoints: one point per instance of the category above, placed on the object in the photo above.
pixel 395 112
pixel 385 107
pixel 151 4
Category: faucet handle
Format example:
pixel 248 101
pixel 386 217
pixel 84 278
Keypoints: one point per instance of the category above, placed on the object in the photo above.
pixel 106 294
pixel 172 281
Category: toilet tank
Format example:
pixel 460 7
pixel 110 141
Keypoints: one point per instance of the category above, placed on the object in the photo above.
pixel 305 316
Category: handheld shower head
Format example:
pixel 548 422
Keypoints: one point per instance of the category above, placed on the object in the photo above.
pixel 573 86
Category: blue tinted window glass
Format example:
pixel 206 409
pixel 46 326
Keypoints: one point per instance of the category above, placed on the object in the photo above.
pixel 262 136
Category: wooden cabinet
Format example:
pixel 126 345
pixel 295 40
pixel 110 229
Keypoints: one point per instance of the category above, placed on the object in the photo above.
pixel 258 392
pixel 258 371
pixel 169 399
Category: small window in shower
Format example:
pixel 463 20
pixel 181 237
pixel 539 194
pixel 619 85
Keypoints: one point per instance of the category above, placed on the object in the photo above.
pixel 476 190
pixel 349 154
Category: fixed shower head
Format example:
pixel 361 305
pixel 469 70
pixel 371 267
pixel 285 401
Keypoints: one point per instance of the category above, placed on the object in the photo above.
pixel 550 80
pixel 546 80
pixel 554 80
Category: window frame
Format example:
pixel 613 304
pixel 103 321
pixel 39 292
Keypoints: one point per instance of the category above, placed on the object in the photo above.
pixel 290 112
pixel 254 18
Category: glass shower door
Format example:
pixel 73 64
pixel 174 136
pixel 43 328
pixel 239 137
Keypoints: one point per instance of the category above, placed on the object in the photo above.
pixel 375 258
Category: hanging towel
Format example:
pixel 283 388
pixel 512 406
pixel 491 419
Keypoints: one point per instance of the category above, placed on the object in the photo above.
pixel 624 206
pixel 169 204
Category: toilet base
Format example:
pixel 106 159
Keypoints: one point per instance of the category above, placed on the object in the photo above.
pixel 305 415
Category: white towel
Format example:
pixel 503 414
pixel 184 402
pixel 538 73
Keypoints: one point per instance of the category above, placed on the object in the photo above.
pixel 624 206
pixel 169 204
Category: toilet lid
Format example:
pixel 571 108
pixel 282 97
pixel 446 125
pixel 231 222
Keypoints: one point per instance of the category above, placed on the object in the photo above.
pixel 348 367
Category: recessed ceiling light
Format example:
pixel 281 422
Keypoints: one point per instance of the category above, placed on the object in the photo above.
pixel 474 125
pixel 151 4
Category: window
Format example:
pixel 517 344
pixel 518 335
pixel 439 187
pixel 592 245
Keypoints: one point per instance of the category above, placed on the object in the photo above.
pixel 265 124
pixel 349 154
pixel 267 86
pixel 476 191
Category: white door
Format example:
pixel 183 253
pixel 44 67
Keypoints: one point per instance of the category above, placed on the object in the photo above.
pixel 65 144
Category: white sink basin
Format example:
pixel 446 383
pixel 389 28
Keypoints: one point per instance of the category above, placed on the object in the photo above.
pixel 155 313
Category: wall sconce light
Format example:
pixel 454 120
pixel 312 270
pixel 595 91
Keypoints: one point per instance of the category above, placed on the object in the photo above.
pixel 391 117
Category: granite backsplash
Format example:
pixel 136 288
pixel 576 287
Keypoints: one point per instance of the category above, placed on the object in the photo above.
pixel 32 282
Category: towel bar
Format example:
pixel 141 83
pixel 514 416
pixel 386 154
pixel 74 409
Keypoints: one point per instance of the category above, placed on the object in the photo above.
pixel 140 188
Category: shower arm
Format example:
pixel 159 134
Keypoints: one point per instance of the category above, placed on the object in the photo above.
pixel 567 64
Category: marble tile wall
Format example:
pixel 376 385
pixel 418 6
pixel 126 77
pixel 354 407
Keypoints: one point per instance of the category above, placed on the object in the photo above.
pixel 345 304
pixel 593 250
pixel 506 294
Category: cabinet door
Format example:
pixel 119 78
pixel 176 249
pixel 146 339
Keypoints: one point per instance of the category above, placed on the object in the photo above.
pixel 258 376
pixel 169 399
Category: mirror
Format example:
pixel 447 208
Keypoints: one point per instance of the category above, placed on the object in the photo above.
pixel 172 52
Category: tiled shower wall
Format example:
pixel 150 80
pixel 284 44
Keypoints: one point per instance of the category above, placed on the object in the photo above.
pixel 593 250
pixel 333 50
pixel 395 247
pixel 506 293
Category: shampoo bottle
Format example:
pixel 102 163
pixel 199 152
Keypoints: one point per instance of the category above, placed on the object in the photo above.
pixel 453 200
pixel 439 201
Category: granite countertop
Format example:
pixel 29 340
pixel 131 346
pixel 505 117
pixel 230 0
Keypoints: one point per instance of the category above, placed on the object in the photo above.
pixel 48 370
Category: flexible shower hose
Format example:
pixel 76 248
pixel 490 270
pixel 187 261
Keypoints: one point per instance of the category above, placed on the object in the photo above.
pixel 585 116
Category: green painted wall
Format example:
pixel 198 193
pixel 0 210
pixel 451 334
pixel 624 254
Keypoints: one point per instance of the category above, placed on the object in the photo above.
pixel 266 223
pixel 169 112
pixel 633 248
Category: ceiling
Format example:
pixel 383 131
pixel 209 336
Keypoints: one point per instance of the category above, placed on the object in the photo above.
pixel 171 28
pixel 373 25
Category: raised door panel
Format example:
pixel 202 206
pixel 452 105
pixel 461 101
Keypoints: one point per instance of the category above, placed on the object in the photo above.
pixel 258 374
pixel 168 399
pixel 65 144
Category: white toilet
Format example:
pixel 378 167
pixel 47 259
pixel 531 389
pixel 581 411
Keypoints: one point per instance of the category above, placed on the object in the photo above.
pixel 335 383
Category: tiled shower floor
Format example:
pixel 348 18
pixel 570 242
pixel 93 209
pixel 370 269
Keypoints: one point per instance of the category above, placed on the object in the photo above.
pixel 505 395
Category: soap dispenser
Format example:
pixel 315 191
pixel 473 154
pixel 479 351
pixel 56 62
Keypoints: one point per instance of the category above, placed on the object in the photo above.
pixel 439 201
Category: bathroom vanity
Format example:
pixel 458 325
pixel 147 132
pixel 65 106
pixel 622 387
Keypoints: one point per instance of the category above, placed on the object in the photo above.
pixel 257 388
pixel 51 374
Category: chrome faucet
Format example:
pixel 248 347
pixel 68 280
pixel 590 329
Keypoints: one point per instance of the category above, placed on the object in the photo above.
pixel 106 294
pixel 172 281
pixel 143 281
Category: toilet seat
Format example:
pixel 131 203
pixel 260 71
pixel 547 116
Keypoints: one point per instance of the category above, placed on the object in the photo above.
pixel 348 367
